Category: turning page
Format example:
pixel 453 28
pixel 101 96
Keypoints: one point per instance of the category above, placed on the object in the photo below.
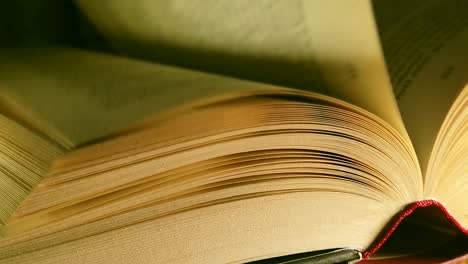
pixel 330 47
pixel 76 96
pixel 425 45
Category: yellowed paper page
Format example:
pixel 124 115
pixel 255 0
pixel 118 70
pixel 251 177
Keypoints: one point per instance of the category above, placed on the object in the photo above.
pixel 347 48
pixel 283 42
pixel 24 160
pixel 77 96
pixel 262 40
pixel 426 47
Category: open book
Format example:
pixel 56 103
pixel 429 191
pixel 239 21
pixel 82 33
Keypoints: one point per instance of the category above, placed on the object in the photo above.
pixel 109 159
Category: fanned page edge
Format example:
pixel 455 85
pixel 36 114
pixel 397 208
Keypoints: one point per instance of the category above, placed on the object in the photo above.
pixel 403 215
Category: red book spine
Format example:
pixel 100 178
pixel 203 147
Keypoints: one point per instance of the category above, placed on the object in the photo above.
pixel 407 212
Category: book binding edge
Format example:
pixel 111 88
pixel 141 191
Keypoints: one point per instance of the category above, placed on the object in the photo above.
pixel 404 214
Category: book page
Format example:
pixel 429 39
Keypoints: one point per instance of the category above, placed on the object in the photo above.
pixel 425 45
pixel 347 48
pixel 327 46
pixel 76 96
pixel 263 40
pixel 24 160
